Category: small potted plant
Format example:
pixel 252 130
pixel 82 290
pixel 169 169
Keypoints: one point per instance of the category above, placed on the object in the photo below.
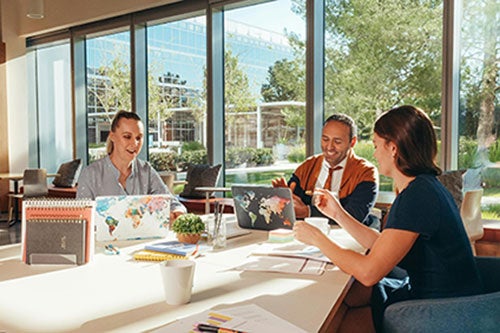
pixel 188 228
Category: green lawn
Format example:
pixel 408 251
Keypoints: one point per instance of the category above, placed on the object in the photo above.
pixel 492 192
pixel 260 178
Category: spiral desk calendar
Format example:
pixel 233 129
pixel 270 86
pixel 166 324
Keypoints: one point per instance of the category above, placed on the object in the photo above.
pixel 58 231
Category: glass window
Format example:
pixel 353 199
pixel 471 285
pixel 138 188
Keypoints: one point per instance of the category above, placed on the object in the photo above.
pixel 177 94
pixel 379 55
pixel 53 93
pixel 479 145
pixel 108 86
pixel 264 91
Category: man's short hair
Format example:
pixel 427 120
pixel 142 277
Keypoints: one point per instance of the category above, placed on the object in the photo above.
pixel 346 120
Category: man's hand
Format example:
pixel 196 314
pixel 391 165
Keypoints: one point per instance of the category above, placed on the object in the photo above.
pixel 279 182
pixel 301 209
pixel 174 215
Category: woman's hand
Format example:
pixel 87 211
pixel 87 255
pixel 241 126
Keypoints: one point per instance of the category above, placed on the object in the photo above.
pixel 327 203
pixel 174 215
pixel 307 233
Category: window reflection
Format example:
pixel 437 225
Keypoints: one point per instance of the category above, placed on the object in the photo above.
pixel 479 145
pixel 264 91
pixel 177 94
pixel 108 86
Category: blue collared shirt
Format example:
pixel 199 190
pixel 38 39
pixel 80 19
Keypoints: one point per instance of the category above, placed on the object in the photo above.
pixel 101 179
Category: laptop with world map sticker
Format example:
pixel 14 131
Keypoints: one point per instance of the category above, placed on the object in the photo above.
pixel 263 207
pixel 125 217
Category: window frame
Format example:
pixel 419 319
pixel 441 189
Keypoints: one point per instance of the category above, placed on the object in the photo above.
pixel 214 11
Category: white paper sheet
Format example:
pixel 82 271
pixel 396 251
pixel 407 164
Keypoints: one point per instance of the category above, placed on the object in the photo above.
pixel 246 318
pixel 282 265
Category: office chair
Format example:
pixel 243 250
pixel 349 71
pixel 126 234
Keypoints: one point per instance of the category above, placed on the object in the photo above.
pixel 478 313
pixel 470 211
pixel 34 185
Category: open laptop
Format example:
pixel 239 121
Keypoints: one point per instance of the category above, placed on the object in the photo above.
pixel 263 207
pixel 125 217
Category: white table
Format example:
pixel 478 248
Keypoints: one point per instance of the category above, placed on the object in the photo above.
pixel 115 293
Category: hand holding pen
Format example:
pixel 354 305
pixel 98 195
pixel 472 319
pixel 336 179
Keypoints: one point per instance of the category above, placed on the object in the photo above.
pixel 110 249
pixel 215 329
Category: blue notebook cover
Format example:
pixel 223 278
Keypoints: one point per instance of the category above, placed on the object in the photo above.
pixel 176 247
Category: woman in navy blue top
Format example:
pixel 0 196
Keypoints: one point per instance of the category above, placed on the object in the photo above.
pixel 424 234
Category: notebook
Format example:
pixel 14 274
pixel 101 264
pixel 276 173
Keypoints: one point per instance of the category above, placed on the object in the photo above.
pixel 127 217
pixel 178 248
pixel 58 231
pixel 56 241
pixel 263 207
pixel 148 255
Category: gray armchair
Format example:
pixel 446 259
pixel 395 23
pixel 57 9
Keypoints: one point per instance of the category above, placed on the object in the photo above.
pixel 479 313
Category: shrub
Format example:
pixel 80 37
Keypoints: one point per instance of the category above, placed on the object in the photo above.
pixel 297 154
pixel 490 177
pixel 468 153
pixel 249 156
pixel 494 151
pixel 491 212
pixel 188 224
pixel 191 157
pixel 163 161
pixel 96 154
pixel 263 156
pixel 365 149
pixel 192 145
pixel 96 145
pixel 239 156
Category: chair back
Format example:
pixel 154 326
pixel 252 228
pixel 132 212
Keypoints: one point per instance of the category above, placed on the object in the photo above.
pixel 168 178
pixel 200 175
pixel 470 211
pixel 489 269
pixel 35 183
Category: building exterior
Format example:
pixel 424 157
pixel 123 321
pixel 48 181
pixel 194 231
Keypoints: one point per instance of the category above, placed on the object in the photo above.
pixel 177 62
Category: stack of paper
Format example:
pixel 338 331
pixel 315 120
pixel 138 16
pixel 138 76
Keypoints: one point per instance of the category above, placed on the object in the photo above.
pixel 282 265
pixel 292 250
pixel 292 257
pixel 246 318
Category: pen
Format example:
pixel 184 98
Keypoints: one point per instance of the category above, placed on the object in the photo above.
pixel 112 248
pixel 215 329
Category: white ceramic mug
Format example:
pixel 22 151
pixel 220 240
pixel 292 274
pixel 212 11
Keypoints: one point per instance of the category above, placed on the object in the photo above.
pixel 177 280
pixel 319 222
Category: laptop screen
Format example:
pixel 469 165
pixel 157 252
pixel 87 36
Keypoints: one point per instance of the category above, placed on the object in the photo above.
pixel 263 207
pixel 132 217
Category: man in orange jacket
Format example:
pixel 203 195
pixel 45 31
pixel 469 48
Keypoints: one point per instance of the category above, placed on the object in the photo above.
pixel 352 179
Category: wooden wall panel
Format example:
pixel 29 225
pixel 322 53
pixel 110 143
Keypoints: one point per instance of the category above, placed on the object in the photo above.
pixel 3 53
pixel 4 139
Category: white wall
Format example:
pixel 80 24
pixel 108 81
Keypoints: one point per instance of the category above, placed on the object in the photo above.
pixel 15 88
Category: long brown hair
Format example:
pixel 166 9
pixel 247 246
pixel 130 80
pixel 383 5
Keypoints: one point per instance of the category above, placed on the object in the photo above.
pixel 122 114
pixel 411 130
